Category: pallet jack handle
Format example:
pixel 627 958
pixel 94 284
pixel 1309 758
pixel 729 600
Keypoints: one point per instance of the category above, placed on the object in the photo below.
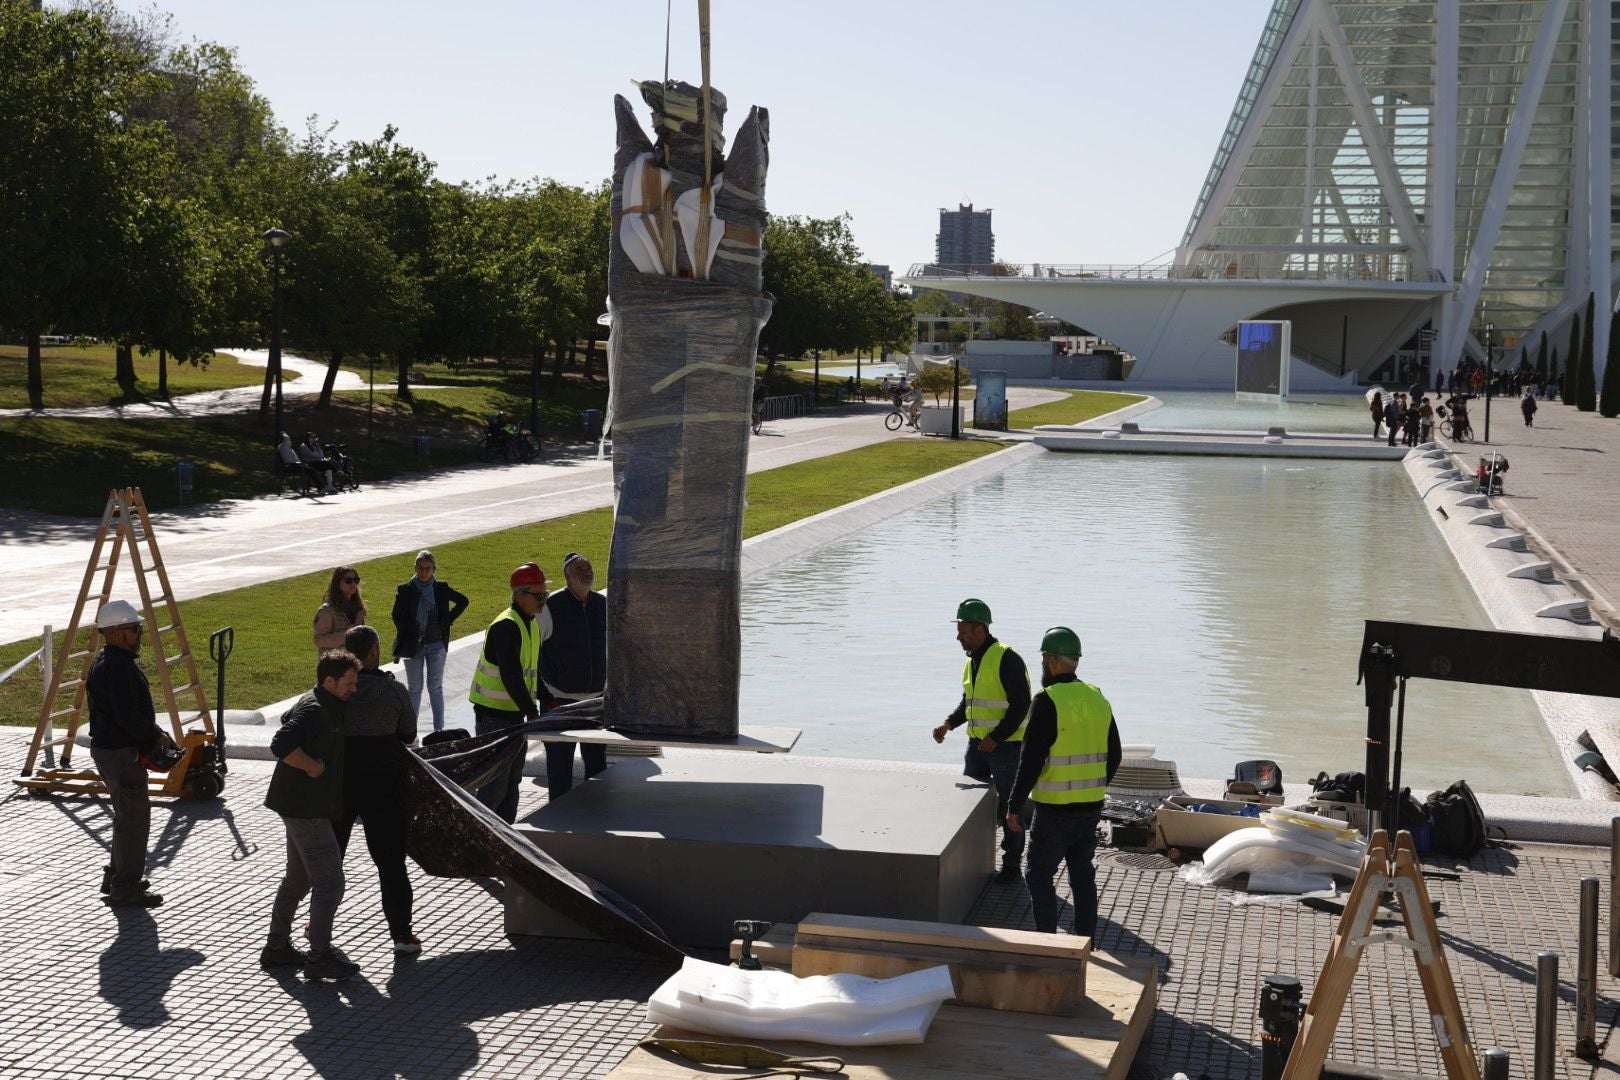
pixel 220 644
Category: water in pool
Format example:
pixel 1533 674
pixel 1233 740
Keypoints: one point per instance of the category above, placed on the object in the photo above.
pixel 1220 602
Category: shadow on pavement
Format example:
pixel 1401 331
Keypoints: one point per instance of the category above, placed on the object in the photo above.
pixel 136 973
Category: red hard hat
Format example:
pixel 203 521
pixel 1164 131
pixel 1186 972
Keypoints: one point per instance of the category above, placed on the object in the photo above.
pixel 528 574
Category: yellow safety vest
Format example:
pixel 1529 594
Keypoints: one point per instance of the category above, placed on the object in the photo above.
pixel 1076 769
pixel 487 688
pixel 985 696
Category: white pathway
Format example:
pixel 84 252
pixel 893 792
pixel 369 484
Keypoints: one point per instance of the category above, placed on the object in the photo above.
pixel 300 378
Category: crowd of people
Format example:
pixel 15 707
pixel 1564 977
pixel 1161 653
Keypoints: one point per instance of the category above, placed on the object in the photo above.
pixel 337 749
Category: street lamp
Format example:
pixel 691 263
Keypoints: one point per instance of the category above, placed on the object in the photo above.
pixel 276 238
pixel 1490 377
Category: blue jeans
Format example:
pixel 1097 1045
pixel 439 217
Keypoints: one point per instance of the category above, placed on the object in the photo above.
pixel 1063 834
pixel 431 657
pixel 501 793
pixel 1000 768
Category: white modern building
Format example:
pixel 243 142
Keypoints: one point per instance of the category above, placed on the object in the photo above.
pixel 1388 166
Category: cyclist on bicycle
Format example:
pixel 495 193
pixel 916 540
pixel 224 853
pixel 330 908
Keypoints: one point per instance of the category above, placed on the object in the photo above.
pixel 913 404
pixel 1460 427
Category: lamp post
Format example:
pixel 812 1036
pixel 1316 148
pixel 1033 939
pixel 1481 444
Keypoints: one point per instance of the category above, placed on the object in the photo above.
pixel 276 238
pixel 1490 377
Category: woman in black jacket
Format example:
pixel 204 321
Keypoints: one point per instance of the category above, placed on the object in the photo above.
pixel 424 610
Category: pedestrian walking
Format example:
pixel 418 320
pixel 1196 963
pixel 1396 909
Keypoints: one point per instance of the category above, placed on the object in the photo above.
pixel 425 609
pixel 123 725
pixel 306 789
pixel 994 706
pixel 341 608
pixel 506 682
pixel 1071 752
pixel 380 721
pixel 1375 404
pixel 573 664
pixel 1392 416
pixel 1527 405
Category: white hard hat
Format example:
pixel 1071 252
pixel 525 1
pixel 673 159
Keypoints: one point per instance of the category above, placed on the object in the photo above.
pixel 117 613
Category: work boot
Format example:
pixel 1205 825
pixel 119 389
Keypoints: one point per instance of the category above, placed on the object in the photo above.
pixel 282 954
pixel 1007 874
pixel 329 966
pixel 137 898
pixel 106 881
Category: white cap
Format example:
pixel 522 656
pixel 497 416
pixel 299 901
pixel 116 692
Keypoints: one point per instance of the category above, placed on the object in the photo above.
pixel 117 613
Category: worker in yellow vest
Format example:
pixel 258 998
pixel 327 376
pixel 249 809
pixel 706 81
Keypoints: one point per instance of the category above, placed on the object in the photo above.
pixel 995 700
pixel 506 683
pixel 1071 752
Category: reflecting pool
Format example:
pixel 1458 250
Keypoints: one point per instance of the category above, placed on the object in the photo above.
pixel 1220 602
pixel 1333 413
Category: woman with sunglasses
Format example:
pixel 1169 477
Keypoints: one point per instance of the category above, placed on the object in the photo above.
pixel 424 610
pixel 343 608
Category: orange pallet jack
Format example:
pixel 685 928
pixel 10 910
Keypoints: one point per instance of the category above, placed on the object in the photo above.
pixel 1387 870
pixel 200 771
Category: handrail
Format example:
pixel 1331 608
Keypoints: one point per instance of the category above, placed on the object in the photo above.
pixel 1237 269
pixel 19 665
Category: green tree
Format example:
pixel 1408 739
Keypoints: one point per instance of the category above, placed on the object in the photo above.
pixel 1609 403
pixel 936 379
pixel 1542 374
pixel 1587 401
pixel 825 296
pixel 1552 373
pixel 1572 367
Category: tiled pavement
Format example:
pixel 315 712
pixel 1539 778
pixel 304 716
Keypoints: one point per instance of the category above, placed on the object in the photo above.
pixel 1564 485
pixel 89 992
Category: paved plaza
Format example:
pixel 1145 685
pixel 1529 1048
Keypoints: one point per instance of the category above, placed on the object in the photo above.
pixel 176 992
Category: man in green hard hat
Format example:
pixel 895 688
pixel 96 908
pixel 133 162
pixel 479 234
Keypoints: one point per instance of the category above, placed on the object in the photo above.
pixel 1071 752
pixel 995 700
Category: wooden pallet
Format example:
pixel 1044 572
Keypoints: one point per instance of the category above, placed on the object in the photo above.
pixel 966 1043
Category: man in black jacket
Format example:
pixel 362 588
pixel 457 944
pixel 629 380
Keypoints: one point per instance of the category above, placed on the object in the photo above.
pixel 379 721
pixel 573 664
pixel 306 789
pixel 122 724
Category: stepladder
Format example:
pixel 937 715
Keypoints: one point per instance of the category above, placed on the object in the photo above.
pixel 125 536
pixel 1390 872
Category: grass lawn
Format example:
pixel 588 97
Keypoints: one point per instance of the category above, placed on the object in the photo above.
pixel 1078 406
pixel 77 376
pixel 274 655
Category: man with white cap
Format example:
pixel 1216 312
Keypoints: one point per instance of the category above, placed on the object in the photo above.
pixel 123 723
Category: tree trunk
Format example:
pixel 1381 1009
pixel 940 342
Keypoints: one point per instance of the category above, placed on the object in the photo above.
pixel 557 368
pixel 124 371
pixel 36 377
pixel 163 374
pixel 404 376
pixel 264 398
pixel 331 377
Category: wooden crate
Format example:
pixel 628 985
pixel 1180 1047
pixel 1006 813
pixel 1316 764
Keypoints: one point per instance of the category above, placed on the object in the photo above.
pixel 992 968
pixel 973 1044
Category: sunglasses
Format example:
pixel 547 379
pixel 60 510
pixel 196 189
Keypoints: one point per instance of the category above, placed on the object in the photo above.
pixel 536 595
pixel 351 581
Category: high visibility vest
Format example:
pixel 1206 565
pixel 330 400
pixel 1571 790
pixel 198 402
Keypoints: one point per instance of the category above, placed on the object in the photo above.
pixel 985 696
pixel 1076 770
pixel 487 688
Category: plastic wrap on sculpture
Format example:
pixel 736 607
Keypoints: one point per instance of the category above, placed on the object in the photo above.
pixel 681 356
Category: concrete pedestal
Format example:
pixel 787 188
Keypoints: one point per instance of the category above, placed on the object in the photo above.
pixel 697 842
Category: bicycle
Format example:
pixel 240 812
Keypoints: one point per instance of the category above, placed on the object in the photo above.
pixel 899 418
pixel 510 442
pixel 1457 429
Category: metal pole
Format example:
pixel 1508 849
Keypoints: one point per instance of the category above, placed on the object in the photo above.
pixel 275 332
pixel 1280 1010
pixel 1378 666
pixel 1490 376
pixel 1546 1015
pixel 1614 897
pixel 956 396
pixel 47 658
pixel 1586 973
pixel 1496 1064
pixel 815 399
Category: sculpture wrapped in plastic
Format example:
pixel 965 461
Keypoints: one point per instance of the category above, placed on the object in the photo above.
pixel 686 307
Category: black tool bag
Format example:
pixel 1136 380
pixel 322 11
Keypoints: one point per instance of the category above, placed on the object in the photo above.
pixel 1458 824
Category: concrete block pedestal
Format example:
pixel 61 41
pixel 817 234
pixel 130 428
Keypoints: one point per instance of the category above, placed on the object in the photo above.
pixel 699 841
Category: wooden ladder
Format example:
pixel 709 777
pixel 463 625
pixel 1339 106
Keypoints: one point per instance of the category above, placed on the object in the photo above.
pixel 128 528
pixel 1385 872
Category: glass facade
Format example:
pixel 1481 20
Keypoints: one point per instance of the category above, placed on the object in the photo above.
pixel 1327 165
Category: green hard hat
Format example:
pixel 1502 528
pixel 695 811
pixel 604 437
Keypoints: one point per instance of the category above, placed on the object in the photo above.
pixel 1061 641
pixel 972 610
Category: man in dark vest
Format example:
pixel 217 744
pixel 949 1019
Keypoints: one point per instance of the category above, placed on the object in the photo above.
pixel 573 663
pixel 1071 752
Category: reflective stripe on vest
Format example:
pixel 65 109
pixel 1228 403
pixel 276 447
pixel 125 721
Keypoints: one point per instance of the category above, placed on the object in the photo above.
pixel 1076 770
pixel 985 696
pixel 487 688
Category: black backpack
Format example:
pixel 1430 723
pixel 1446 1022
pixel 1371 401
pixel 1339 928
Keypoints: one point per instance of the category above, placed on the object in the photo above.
pixel 1458 824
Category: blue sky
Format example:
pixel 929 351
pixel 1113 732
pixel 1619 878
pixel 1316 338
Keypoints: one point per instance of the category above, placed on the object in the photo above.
pixel 1088 126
